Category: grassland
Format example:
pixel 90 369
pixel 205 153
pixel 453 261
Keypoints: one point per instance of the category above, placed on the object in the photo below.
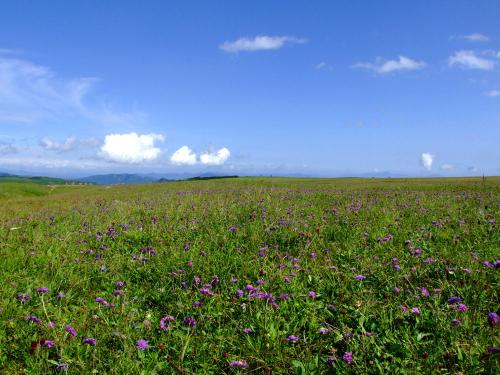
pixel 251 275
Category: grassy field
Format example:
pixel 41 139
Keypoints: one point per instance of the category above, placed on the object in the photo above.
pixel 251 275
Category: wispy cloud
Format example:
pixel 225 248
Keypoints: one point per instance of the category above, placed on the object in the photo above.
pixel 474 37
pixel 51 145
pixel 131 147
pixel 183 156
pixel 426 160
pixel 383 66
pixel 493 93
pixel 259 43
pixel 323 66
pixel 31 92
pixel 447 167
pixel 467 59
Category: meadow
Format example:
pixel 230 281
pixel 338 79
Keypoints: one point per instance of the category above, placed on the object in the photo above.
pixel 251 275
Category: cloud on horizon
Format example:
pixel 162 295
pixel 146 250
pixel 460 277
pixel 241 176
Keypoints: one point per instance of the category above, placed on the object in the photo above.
pixel 183 156
pixel 131 148
pixel 426 160
pixel 259 43
pixel 383 66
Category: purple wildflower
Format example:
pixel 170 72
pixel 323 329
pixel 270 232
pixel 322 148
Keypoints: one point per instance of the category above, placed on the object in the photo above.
pixel 48 343
pixel 292 338
pixel 34 319
pixel 247 330
pixel 70 330
pixel 493 318
pixel 190 322
pixel 90 341
pixel 347 357
pixel 62 367
pixel 311 294
pixel 23 297
pixel 142 344
pixel 233 229
pixel 42 290
pixel 360 277
pixel 120 284
pixel 239 363
pixel 197 304
pixel 239 293
pixel 415 310
pixel 453 300
pixel 234 280
pixel 425 292
pixel 167 318
pixel 324 331
pixel 455 322
pixel 60 295
pixel 462 307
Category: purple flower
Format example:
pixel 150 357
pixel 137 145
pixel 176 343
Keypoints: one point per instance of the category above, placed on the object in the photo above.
pixel 48 343
pixel 455 322
pixel 206 292
pixel 142 344
pixel 415 310
pixel 120 284
pixel 239 363
pixel 34 319
pixel 397 290
pixel 190 322
pixel 70 330
pixel 90 341
pixel 453 300
pixel 425 292
pixel 60 295
pixel 493 318
pixel 347 357
pixel 23 297
pixel 62 367
pixel 51 324
pixel 493 350
pixel 239 293
pixel 247 330
pixel 233 229
pixel 197 304
pixel 118 292
pixel 311 294
pixel 324 331
pixel 331 360
pixel 360 277
pixel 462 307
pixel 292 338
pixel 167 318
pixel 234 280
pixel 42 290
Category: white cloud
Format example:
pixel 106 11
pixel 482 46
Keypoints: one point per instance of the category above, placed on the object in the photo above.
pixel 476 37
pixel 183 156
pixel 470 60
pixel 50 145
pixel 493 93
pixel 323 66
pixel 215 158
pixel 30 92
pixel 258 43
pixel 447 167
pixel 7 148
pixel 426 160
pixel 382 66
pixel 131 147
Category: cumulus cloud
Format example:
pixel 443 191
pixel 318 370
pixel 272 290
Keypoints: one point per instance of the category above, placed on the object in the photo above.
pixel 259 43
pixel 51 145
pixel 470 60
pixel 426 160
pixel 493 93
pixel 131 147
pixel 30 92
pixel 382 66
pixel 447 167
pixel 215 158
pixel 183 156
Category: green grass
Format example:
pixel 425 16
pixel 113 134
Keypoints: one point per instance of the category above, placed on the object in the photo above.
pixel 318 234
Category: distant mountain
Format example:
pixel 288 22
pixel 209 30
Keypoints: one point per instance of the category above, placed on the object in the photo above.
pixel 120 178
pixel 39 180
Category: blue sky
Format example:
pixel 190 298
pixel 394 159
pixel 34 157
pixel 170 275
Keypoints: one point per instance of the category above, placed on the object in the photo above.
pixel 263 87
